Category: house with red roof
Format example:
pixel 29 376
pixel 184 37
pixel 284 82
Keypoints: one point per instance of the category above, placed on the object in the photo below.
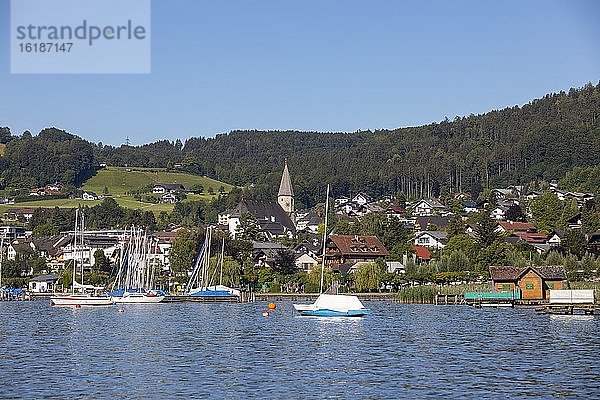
pixel 351 249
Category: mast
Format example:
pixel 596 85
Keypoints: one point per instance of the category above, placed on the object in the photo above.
pixel 222 259
pixel 81 233
pixel 324 239
pixel 1 256
pixel 75 248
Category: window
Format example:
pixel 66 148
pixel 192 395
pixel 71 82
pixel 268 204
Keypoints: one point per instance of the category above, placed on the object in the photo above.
pixel 529 286
pixel 550 285
pixel 506 286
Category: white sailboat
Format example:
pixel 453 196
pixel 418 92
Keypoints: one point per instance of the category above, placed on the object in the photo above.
pixel 200 284
pixel 331 305
pixel 89 295
pixel 135 279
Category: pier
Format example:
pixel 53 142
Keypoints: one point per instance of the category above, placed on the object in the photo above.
pixel 311 297
pixel 446 299
pixel 569 309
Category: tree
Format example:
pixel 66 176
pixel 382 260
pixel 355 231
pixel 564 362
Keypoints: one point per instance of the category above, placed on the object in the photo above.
pixel 547 212
pixel 47 229
pixel 249 229
pixel 101 262
pixel 463 243
pixel 574 242
pixel 38 265
pixel 486 230
pixel 184 251
pixel 368 277
pixel 198 188
pixel 456 261
pixel 285 262
pixel 456 226
pixel 515 213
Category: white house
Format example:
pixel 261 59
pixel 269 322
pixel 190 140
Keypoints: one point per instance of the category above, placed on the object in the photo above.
pixel 362 199
pixel 168 198
pixel 44 283
pixel 427 207
pixel 340 200
pixel 89 196
pixel 432 239
pixel 306 262
pixel 555 239
pixel 499 212
pixel 162 188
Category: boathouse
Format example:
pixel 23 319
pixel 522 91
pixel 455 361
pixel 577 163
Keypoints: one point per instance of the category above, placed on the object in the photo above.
pixel 534 282
pixel 44 283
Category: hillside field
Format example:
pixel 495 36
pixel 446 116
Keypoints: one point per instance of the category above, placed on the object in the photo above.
pixel 120 182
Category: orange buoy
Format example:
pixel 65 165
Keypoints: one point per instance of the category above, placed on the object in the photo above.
pixel 265 314
pixel 77 305
pixel 272 306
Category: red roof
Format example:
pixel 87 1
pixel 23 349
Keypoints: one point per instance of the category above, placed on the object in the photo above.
pixel 359 245
pixel 532 237
pixel 422 252
pixel 511 273
pixel 517 226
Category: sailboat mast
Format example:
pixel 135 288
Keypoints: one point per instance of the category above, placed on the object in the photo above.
pixel 75 248
pixel 324 240
pixel 82 230
pixel 222 260
pixel 1 256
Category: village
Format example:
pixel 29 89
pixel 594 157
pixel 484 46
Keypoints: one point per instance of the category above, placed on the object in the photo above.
pixel 280 234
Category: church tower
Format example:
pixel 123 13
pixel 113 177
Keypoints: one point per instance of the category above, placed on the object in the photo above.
pixel 285 198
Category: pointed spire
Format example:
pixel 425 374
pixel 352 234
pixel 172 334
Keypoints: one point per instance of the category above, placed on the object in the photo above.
pixel 285 188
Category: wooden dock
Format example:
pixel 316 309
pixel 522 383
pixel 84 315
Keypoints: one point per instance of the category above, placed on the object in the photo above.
pixel 448 299
pixel 311 297
pixel 569 309
pixel 201 299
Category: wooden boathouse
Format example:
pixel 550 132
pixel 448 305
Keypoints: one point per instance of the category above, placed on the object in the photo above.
pixel 533 282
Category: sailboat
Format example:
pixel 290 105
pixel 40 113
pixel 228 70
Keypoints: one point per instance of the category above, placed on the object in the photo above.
pixel 135 277
pixel 199 284
pixel 332 305
pixel 83 298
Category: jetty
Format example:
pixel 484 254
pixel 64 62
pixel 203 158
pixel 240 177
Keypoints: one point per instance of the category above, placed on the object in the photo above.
pixel 569 302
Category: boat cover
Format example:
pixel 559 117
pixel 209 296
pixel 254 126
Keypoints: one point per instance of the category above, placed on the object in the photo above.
pixel 338 302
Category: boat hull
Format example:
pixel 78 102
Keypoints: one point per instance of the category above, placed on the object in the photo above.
pixel 333 305
pixel 138 299
pixel 80 301
pixel 334 313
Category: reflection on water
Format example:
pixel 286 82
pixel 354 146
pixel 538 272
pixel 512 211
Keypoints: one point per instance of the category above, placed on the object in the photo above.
pixel 230 351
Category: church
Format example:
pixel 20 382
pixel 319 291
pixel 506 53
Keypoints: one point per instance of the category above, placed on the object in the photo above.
pixel 276 219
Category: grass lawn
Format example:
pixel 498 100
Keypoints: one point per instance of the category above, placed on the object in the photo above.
pixel 123 201
pixel 119 181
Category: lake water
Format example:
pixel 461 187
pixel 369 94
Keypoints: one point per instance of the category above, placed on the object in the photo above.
pixel 230 351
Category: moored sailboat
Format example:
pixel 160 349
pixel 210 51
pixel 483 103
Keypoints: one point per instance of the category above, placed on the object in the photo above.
pixel 331 305
pixel 89 295
pixel 200 284
pixel 135 277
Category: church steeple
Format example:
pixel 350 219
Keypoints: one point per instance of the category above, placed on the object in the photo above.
pixel 285 198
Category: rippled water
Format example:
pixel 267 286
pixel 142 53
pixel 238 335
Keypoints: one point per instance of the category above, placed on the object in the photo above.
pixel 230 351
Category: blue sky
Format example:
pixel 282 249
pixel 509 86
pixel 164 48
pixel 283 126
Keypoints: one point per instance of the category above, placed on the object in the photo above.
pixel 327 65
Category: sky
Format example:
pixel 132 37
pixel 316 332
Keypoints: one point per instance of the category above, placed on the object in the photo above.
pixel 322 65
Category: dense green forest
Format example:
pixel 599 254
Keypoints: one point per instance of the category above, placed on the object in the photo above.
pixel 541 140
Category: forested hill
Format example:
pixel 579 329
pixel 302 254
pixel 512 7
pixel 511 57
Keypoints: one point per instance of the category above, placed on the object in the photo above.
pixel 541 140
